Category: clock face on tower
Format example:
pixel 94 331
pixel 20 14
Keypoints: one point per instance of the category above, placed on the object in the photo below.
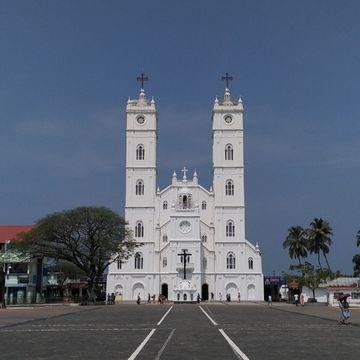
pixel 185 226
pixel 140 119
pixel 228 119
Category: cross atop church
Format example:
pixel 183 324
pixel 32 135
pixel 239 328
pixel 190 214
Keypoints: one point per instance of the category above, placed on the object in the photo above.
pixel 142 78
pixel 227 78
pixel 184 171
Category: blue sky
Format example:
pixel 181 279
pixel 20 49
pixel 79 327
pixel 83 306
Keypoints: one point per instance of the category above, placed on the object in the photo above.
pixel 68 67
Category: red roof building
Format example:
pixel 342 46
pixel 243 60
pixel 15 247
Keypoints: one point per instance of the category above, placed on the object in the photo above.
pixel 9 232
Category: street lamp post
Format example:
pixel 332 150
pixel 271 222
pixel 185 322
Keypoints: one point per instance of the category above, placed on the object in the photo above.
pixel 5 274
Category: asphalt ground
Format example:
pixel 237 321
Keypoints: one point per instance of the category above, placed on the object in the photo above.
pixel 208 331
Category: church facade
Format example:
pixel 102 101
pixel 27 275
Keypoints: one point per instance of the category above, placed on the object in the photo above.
pixel 193 238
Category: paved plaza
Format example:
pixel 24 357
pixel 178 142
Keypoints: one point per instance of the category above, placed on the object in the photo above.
pixel 205 331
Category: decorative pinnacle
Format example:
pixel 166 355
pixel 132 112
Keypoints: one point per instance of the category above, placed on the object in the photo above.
pixel 142 97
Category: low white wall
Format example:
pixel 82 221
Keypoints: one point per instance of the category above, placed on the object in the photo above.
pixel 321 294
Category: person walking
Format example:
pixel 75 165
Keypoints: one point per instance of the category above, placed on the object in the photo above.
pixel 138 299
pixel 149 298
pixel 108 299
pixel 211 296
pixel 112 299
pixel 239 297
pixel 302 300
pixel 296 299
pixel 198 298
pixel 344 309
pixel 269 300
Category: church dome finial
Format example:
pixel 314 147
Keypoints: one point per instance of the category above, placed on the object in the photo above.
pixel 227 95
pixel 142 95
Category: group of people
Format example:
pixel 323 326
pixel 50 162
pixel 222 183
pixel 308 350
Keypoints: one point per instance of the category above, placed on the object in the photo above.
pixel 152 299
pixel 110 299
pixel 297 299
pixel 228 297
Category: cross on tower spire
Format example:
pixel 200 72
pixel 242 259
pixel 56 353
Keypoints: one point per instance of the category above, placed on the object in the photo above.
pixel 142 78
pixel 227 77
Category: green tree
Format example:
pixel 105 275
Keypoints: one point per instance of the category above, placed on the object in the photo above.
pixel 296 243
pixel 319 235
pixel 311 277
pixel 356 257
pixel 91 238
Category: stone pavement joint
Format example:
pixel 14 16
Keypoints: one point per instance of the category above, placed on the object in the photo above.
pixel 353 321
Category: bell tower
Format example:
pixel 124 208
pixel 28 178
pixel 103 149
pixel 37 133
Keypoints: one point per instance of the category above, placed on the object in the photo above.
pixel 228 168
pixel 141 136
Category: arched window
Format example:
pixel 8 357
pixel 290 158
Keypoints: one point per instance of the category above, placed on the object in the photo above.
pixel 140 152
pixel 204 262
pixel 229 187
pixel 139 260
pixel 119 264
pixel 165 238
pixel 203 205
pixel 139 229
pixel 164 262
pixel 165 205
pixel 251 264
pixel 139 187
pixel 229 152
pixel 230 229
pixel 203 238
pixel 230 260
pixel 186 202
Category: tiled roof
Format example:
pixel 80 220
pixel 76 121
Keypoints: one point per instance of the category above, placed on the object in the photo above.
pixel 343 282
pixel 8 232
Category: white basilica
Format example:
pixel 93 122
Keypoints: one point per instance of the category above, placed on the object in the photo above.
pixel 208 226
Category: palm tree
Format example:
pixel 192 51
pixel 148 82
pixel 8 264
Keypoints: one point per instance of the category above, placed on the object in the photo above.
pixel 356 257
pixel 319 234
pixel 296 242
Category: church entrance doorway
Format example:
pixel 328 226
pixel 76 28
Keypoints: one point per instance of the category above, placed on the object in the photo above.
pixel 232 291
pixel 205 292
pixel 164 290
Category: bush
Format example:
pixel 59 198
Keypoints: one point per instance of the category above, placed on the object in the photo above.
pixel 312 300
